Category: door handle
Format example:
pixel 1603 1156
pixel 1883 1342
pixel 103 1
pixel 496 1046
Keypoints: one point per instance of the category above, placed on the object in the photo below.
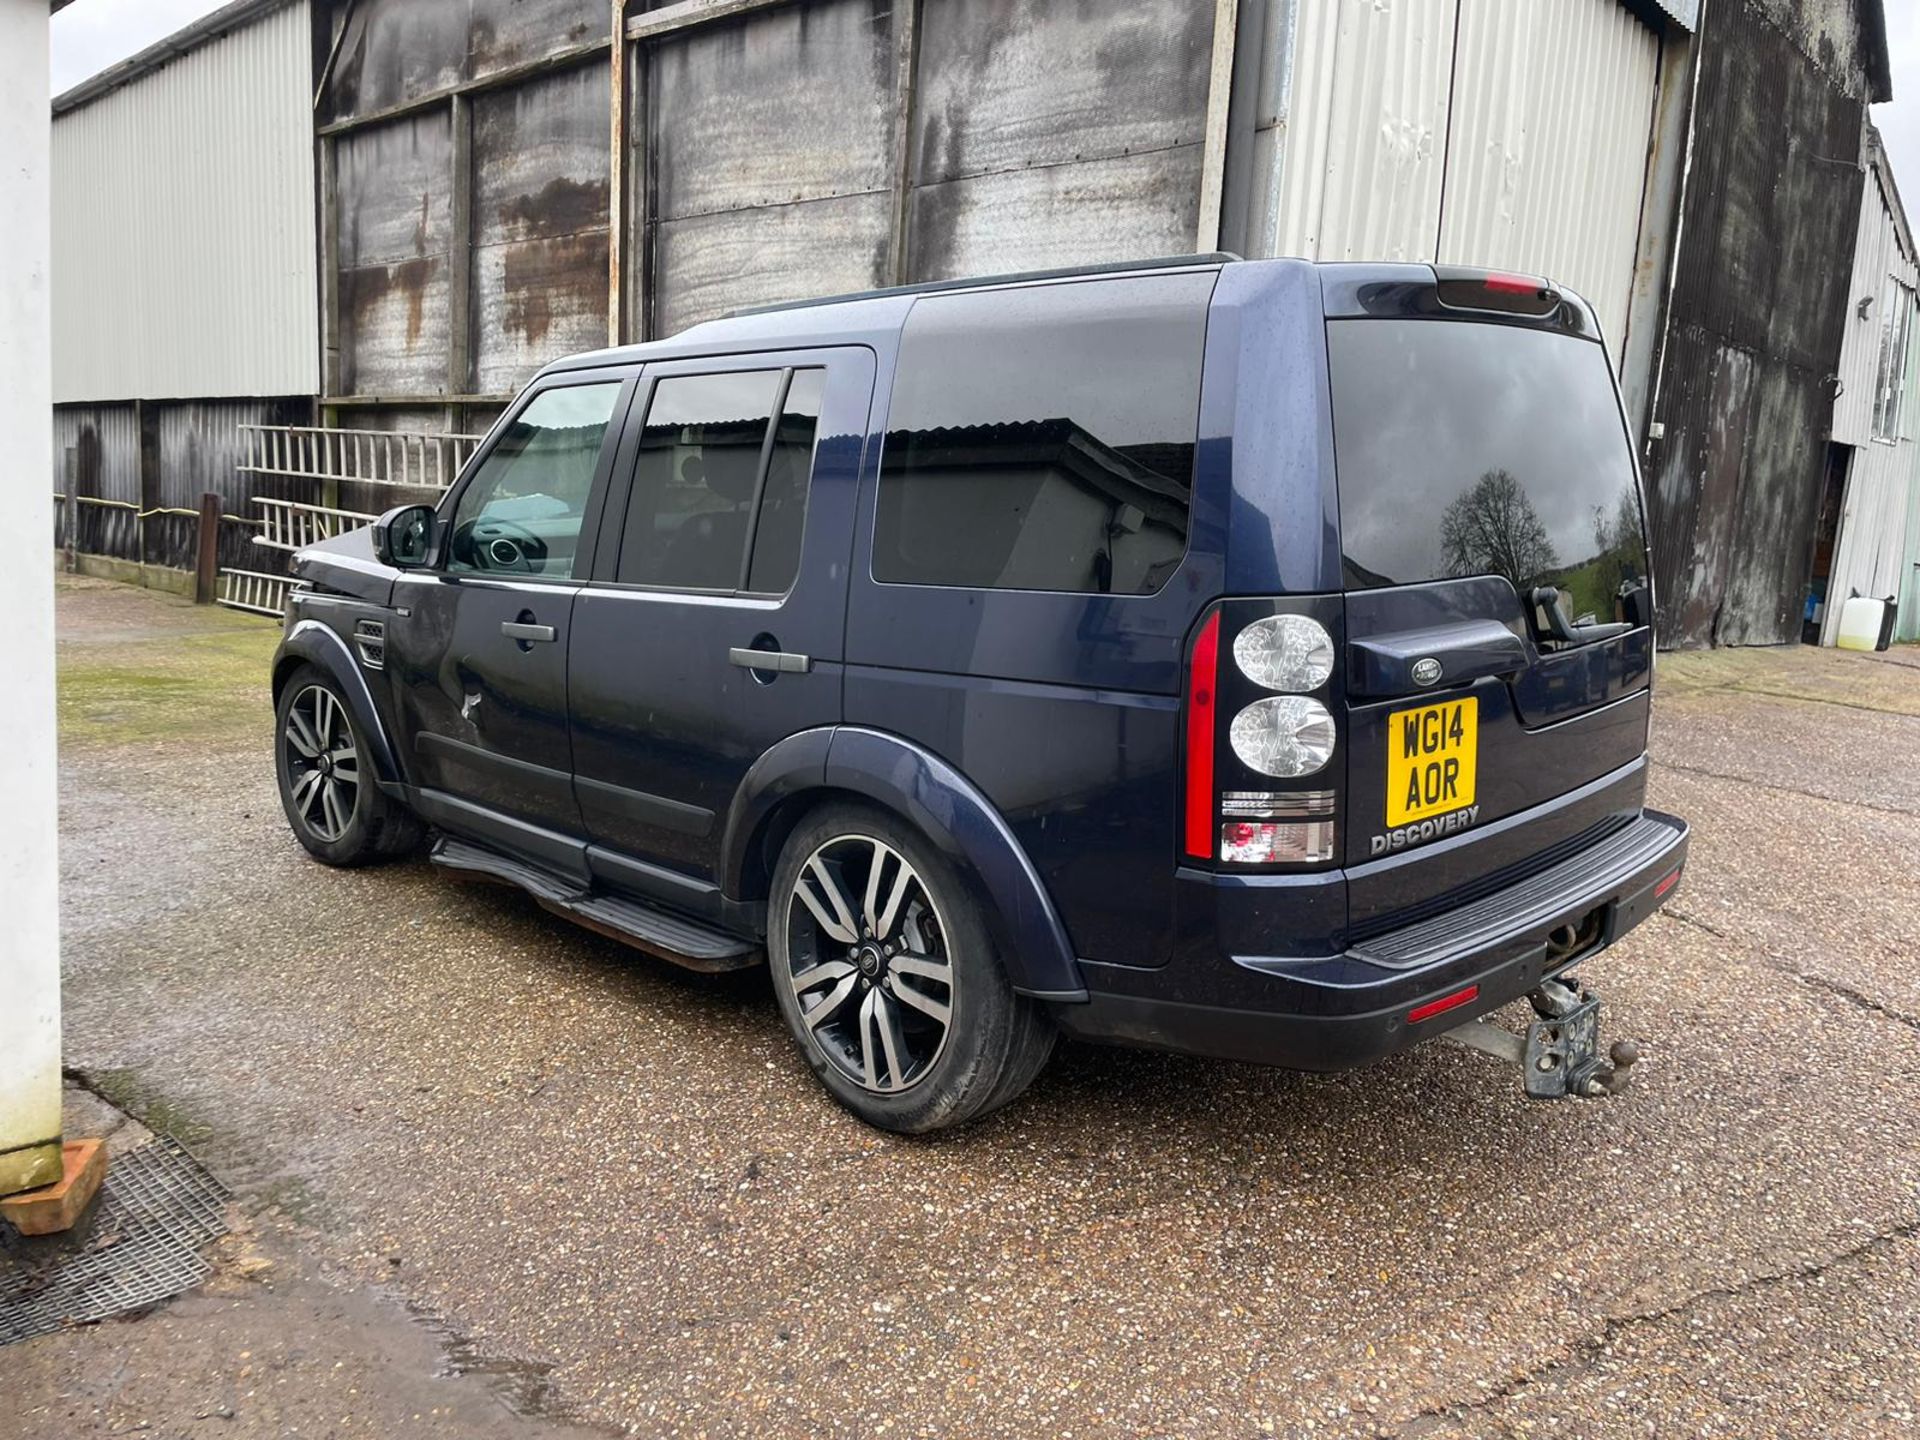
pixel 783 662
pixel 520 630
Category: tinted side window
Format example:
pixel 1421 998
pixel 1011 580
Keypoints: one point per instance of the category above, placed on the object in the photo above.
pixel 693 484
pixel 783 504
pixel 1043 438
pixel 521 512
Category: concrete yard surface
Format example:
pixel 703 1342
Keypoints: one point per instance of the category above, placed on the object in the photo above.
pixel 496 1175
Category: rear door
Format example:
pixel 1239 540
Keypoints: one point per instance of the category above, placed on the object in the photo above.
pixel 1483 466
pixel 714 624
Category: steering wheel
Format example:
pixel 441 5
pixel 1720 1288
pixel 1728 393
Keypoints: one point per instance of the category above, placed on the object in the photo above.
pixel 503 545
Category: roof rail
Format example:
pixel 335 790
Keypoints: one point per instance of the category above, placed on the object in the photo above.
pixel 927 287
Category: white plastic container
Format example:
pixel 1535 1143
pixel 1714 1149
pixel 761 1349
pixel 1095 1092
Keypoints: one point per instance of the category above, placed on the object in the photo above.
pixel 1860 621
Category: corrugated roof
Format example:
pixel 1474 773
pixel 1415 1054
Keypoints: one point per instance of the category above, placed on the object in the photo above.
pixel 223 21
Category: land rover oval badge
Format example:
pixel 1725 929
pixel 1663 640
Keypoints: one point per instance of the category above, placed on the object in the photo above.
pixel 1426 670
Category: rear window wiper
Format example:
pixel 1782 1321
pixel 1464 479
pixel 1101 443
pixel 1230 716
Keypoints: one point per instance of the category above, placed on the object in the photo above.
pixel 1553 626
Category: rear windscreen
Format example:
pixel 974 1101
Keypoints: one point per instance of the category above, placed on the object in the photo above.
pixel 1479 449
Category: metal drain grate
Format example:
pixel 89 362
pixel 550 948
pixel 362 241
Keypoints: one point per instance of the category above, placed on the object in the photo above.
pixel 141 1246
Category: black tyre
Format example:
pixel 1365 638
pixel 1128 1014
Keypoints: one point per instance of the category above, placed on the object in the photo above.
pixel 326 778
pixel 888 979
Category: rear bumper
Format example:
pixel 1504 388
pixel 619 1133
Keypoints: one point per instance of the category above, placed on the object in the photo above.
pixel 1334 1012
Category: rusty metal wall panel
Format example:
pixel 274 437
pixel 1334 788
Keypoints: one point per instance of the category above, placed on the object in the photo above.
pixel 393 51
pixel 769 158
pixel 1047 134
pixel 1754 331
pixel 777 109
pixel 1009 84
pixel 540 185
pixel 1095 210
pixel 711 264
pixel 1360 128
pixel 183 225
pixel 1551 111
pixel 394 218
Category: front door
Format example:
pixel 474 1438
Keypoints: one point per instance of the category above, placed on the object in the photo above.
pixel 726 538
pixel 478 644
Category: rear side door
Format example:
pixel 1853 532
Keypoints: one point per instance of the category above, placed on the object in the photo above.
pixel 713 626
pixel 478 641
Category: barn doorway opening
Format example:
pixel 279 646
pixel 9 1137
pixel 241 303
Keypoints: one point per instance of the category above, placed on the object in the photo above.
pixel 1826 535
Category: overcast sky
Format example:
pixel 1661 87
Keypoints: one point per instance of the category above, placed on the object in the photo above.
pixel 90 35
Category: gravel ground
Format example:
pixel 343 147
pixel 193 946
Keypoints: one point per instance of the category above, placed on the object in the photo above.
pixel 625 1204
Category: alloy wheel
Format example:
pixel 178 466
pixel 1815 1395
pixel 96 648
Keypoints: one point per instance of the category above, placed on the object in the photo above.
pixel 323 762
pixel 867 963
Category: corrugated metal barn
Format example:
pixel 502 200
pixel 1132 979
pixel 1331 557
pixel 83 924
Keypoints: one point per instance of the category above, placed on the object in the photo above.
pixel 183 279
pixel 1874 464
pixel 502 181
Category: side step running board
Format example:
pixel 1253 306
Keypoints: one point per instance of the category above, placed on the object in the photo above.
pixel 672 937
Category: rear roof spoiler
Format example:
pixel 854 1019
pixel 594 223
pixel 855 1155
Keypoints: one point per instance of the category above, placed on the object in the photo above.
pixel 1441 292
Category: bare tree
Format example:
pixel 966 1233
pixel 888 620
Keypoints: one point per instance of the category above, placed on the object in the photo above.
pixel 1493 529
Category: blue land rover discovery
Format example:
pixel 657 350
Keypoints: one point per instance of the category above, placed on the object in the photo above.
pixel 1250 659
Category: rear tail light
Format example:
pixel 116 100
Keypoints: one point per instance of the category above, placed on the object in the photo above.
pixel 1239 730
pixel 1245 842
pixel 1284 735
pixel 1285 652
pixel 1276 804
pixel 1202 672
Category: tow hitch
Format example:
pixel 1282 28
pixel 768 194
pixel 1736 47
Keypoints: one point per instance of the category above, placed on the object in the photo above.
pixel 1560 1053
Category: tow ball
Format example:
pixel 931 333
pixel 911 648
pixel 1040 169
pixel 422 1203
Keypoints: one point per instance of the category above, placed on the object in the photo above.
pixel 1560 1053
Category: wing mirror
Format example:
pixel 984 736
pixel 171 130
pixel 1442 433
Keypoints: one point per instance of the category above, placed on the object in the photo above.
pixel 403 537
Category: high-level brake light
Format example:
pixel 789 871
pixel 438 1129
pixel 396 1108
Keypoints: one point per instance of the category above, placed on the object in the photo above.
pixel 1513 284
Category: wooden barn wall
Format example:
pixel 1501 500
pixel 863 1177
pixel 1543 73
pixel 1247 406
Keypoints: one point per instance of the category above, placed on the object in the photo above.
pixel 1754 330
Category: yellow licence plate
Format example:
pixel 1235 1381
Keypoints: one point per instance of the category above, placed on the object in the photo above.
pixel 1431 758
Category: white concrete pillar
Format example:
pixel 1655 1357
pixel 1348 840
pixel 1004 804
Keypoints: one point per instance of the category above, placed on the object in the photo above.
pixel 29 872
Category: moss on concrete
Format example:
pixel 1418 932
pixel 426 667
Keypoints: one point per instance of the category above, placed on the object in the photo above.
pixel 202 675
pixel 1792 672
pixel 125 1090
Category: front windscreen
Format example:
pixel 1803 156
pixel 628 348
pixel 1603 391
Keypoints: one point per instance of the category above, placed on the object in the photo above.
pixel 1482 449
